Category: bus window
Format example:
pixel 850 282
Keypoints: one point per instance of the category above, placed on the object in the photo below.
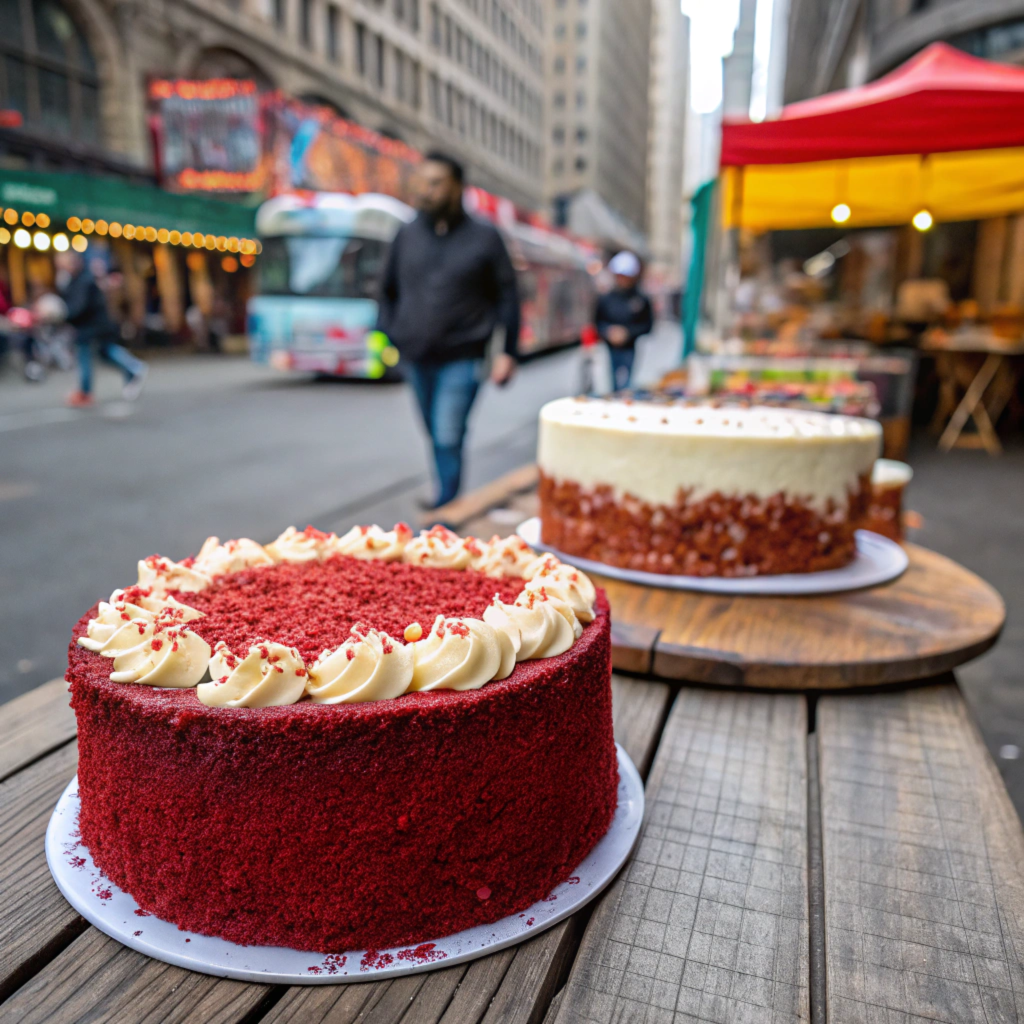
pixel 337 268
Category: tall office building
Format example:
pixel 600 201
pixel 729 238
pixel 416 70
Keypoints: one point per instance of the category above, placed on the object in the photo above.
pixel 463 74
pixel 597 82
pixel 670 45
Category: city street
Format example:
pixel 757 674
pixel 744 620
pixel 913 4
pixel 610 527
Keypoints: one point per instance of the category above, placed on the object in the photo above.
pixel 216 446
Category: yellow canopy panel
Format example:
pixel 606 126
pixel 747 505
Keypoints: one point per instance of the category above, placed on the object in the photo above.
pixel 879 191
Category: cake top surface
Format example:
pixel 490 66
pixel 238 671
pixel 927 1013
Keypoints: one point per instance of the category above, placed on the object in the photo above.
pixel 696 421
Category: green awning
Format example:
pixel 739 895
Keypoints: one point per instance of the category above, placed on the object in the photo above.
pixel 113 199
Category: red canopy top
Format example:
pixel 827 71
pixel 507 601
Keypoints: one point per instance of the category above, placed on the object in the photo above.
pixel 940 101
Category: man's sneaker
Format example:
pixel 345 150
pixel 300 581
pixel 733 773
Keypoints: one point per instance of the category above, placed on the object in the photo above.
pixel 133 387
pixel 79 400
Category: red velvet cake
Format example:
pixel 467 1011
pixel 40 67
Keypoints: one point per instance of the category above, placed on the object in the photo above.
pixel 399 737
pixel 702 490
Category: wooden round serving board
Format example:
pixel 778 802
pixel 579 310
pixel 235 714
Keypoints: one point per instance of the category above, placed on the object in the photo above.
pixel 936 616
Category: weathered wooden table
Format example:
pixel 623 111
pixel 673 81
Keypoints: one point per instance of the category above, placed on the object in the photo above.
pixel 846 857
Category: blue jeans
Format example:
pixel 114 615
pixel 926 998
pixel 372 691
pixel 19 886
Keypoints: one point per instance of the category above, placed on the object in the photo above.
pixel 445 393
pixel 110 352
pixel 622 365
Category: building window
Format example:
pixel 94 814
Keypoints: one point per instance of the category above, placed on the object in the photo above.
pixel 333 33
pixel 558 101
pixel 50 73
pixel 361 48
pixel 581 100
pixel 414 15
pixel 560 30
pixel 581 30
pixel 581 64
pixel 447 35
pixel 558 167
pixel 558 135
pixel 305 21
pixel 380 62
pixel 581 134
pixel 400 75
pixel 559 65
pixel 581 163
pixel 281 13
pixel 434 89
pixel 414 82
pixel 435 26
pixel 449 105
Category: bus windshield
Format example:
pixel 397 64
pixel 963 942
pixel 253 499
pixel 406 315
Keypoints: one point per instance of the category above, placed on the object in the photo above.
pixel 335 267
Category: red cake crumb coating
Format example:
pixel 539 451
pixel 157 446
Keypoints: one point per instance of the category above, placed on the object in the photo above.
pixel 341 827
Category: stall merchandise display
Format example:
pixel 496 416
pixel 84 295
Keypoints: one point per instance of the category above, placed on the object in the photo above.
pixel 702 490
pixel 349 742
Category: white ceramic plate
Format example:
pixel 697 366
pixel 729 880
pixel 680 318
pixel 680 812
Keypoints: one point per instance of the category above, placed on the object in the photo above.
pixel 114 912
pixel 878 560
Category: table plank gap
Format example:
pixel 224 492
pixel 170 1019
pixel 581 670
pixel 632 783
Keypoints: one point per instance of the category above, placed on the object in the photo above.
pixel 435 996
pixel 34 724
pixel 709 920
pixel 36 923
pixel 339 1004
pixel 924 863
pixel 476 990
pixel 97 979
pixel 815 886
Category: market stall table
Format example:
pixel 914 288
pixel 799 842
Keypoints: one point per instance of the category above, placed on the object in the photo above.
pixel 978 374
pixel 843 857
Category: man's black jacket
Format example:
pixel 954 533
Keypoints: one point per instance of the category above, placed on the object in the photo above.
pixel 443 294
pixel 87 309
pixel 630 309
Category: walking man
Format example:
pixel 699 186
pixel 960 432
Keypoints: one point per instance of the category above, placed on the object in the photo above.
pixel 623 315
pixel 448 283
pixel 88 314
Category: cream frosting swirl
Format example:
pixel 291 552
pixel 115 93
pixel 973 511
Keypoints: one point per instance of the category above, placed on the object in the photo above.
pixel 370 666
pixel 216 559
pixel 160 576
pixel 270 675
pixel 457 654
pixel 163 654
pixel 564 583
pixel 308 545
pixel 503 556
pixel 439 548
pixel 113 628
pixel 371 543
pixel 546 626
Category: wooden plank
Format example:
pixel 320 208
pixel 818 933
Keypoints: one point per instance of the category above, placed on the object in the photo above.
pixel 709 920
pixel 34 724
pixel 924 863
pixel 98 979
pixel 35 921
pixel 477 503
pixel 936 616
pixel 520 981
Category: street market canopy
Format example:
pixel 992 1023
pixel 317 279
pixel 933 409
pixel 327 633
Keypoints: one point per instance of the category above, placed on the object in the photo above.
pixel 943 132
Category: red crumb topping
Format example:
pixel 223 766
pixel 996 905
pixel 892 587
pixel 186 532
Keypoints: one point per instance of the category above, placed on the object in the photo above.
pixel 156 643
pixel 312 533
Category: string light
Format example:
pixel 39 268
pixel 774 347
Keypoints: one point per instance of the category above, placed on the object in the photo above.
pixel 61 243
pixel 74 224
pixel 87 226
pixel 229 264
pixel 248 259
pixel 10 216
pixel 101 227
pixel 41 240
pixel 5 236
pixel 115 230
pixel 28 219
pixel 923 220
pixel 43 220
pixel 79 243
pixel 841 213
pixel 22 239
pixel 161 236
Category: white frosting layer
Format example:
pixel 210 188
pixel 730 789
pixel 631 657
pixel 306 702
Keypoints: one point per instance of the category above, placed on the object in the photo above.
pixel 652 451
pixel 503 556
pixel 371 543
pixel 161 656
pixel 216 559
pixel 439 548
pixel 270 675
pixel 370 666
pixel 114 629
pixel 308 545
pixel 160 576
pixel 457 654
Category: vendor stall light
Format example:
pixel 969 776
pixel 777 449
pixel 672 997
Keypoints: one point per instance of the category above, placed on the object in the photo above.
pixel 129 230
pixel 229 264
pixel 61 243
pixel 22 239
pixel 79 243
pixel 247 246
pixel 210 242
pixel 28 219
pixel 259 246
pixel 5 236
pixel 115 230
pixel 922 220
pixel 841 213
pixel 88 226
pixel 174 237
pixel 150 234
pixel 248 259
pixel 222 243
pixel 74 224
pixel 163 236
pixel 43 220
pixel 390 357
pixel 10 216
pixel 41 240
pixel 101 227
pixel 186 238
pixel 233 244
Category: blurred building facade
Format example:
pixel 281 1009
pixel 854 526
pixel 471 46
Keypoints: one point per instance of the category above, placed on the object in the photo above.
pixel 669 96
pixel 839 43
pixel 467 76
pixel 597 87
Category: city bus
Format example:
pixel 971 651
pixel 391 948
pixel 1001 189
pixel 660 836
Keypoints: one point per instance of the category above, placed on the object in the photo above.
pixel 319 272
